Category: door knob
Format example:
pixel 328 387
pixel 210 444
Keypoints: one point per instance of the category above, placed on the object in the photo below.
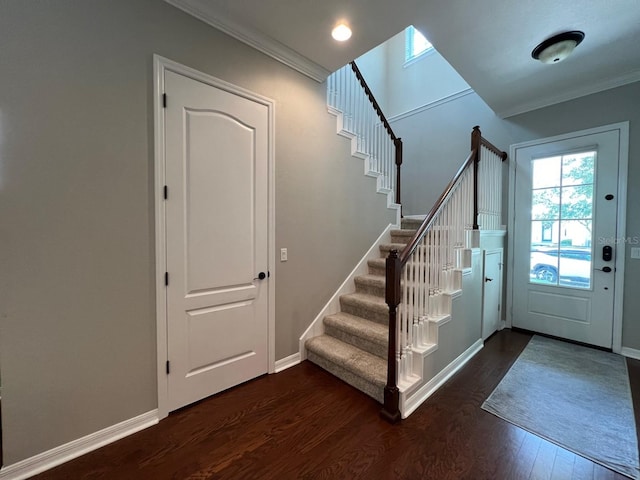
pixel 487 279
pixel 261 276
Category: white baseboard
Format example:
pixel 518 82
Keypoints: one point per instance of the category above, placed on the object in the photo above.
pixel 59 455
pixel 287 362
pixel 409 405
pixel 630 352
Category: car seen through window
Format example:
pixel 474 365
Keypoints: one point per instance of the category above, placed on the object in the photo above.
pixel 564 266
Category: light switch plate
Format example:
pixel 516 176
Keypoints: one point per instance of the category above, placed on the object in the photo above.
pixel 284 255
pixel 635 252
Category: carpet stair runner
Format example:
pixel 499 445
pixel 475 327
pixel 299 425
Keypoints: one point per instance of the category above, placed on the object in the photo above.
pixel 354 345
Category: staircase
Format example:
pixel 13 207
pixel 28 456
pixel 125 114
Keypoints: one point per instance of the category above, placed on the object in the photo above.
pixel 354 346
pixel 394 337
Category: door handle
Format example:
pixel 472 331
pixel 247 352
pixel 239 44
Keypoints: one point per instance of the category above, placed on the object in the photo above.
pixel 487 279
pixel 261 276
pixel 604 269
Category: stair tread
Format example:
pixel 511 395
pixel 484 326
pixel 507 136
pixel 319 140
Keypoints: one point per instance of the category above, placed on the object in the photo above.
pixel 403 232
pixel 359 326
pixel 377 262
pixel 411 222
pixel 371 279
pixel 363 364
pixel 366 298
pixel 392 245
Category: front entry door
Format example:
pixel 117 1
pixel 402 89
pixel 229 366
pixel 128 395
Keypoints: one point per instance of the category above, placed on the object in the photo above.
pixel 566 195
pixel 216 237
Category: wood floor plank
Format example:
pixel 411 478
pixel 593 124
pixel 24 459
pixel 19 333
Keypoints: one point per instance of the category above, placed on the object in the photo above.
pixel 582 469
pixel 563 464
pixel 543 465
pixel 304 423
pixel 523 465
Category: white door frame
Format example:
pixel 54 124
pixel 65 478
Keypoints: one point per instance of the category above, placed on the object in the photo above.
pixel 160 66
pixel 621 223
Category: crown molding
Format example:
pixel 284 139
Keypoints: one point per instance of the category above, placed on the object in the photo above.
pixel 596 87
pixel 255 39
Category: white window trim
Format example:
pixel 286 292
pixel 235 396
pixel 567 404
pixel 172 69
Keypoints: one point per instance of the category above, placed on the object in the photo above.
pixel 408 41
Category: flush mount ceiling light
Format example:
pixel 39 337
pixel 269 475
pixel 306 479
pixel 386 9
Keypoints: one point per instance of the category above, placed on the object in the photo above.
pixel 341 32
pixel 558 47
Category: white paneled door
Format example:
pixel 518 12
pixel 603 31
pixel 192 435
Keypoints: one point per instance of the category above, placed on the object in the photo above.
pixel 565 237
pixel 216 238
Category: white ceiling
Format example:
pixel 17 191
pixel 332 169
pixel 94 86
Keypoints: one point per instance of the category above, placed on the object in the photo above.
pixel 489 43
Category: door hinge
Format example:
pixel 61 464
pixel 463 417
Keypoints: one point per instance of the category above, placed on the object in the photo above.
pixel 166 278
pixel 166 192
pixel 164 100
pixel 168 367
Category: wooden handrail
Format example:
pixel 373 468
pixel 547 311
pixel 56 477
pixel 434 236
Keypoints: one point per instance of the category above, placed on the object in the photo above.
pixel 397 142
pixel 372 99
pixel 397 260
pixel 429 219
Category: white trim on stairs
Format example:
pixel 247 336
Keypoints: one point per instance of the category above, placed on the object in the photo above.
pixel 364 157
pixel 287 362
pixel 630 352
pixel 409 405
pixel 348 286
pixel 64 453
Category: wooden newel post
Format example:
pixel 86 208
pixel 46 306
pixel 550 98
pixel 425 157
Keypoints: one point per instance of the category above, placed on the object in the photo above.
pixel 476 140
pixel 398 144
pixel 391 409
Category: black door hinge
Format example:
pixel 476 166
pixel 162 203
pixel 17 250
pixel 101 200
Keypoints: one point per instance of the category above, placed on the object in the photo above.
pixel 166 278
pixel 168 368
pixel 164 100
pixel 166 192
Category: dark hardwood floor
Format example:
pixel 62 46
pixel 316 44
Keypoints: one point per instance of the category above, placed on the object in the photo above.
pixel 304 423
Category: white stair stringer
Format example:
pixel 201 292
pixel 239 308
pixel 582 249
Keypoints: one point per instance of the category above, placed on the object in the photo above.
pixel 366 157
pixel 428 329
pixel 453 339
pixel 333 305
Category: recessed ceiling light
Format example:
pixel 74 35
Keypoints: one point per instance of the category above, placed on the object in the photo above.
pixel 558 47
pixel 341 32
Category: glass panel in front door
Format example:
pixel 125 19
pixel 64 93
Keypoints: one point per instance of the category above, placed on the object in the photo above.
pixel 562 219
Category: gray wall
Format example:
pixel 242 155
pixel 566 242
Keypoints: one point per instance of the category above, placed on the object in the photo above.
pixel 437 142
pixel 401 87
pixel 373 66
pixel 441 137
pixel 77 299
